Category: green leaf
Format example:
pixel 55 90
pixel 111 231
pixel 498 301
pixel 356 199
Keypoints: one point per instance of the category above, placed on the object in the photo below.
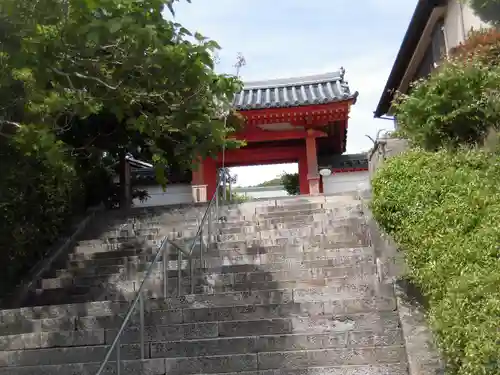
pixel 114 25
pixel 199 37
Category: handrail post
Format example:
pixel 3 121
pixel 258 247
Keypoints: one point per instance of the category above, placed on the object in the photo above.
pixel 166 260
pixel 202 248
pixel 141 318
pixel 118 360
pixel 217 203
pixel 224 185
pixel 179 274
pixel 191 273
pixel 209 240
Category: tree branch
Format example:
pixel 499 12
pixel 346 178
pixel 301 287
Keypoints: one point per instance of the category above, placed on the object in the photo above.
pixel 12 127
pixel 83 76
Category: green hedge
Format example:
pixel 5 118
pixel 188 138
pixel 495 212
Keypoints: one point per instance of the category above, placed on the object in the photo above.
pixel 443 209
pixel 457 104
pixel 39 191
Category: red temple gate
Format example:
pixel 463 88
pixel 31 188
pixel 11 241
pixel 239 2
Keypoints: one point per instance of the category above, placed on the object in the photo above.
pixel 287 121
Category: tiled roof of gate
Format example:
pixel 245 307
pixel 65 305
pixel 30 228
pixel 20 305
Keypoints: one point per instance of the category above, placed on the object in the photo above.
pixel 293 92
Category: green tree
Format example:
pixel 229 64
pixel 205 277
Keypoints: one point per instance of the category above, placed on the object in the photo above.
pixel 291 183
pixel 114 76
pixel 456 105
pixel 273 182
pixel 487 10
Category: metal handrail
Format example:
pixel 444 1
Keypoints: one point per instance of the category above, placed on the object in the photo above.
pixel 163 253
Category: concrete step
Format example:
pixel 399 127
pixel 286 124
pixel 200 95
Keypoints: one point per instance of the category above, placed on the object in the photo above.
pixel 154 288
pixel 130 231
pixel 280 223
pixel 223 363
pixel 243 320
pixel 249 277
pixel 216 338
pixel 117 280
pixel 110 314
pixel 333 241
pixel 234 261
pixel 286 213
pixel 215 257
pixel 350 330
pixel 126 290
pixel 126 262
pixel 121 289
pixel 136 270
pixel 85 253
pixel 292 206
pixel 259 225
pixel 286 249
pixel 295 264
pixel 306 231
pixel 159 367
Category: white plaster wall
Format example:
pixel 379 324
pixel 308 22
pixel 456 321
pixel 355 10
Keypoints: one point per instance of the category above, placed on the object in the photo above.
pixel 173 195
pixel 459 20
pixel 345 182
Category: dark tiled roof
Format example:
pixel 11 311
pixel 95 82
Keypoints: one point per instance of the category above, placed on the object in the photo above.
pixel 293 92
pixel 344 161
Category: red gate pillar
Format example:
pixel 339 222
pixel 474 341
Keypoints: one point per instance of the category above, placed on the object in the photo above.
pixel 303 183
pixel 204 180
pixel 312 164
pixel 198 185
pixel 210 170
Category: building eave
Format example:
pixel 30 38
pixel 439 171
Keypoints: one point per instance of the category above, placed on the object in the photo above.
pixel 410 42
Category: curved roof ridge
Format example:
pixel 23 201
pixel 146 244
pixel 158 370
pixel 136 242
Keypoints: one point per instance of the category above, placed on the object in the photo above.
pixel 295 81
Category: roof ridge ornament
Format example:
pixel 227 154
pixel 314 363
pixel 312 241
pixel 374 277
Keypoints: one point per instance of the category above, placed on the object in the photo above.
pixel 342 73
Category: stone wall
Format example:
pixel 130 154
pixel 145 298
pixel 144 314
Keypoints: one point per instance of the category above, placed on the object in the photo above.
pixel 389 261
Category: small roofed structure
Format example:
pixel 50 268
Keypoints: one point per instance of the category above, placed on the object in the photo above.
pixel 287 120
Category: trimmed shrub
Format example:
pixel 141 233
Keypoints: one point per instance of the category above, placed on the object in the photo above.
pixel 456 105
pixel 443 210
pixel 39 192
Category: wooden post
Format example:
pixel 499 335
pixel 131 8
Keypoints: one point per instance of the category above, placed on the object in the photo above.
pixel 312 164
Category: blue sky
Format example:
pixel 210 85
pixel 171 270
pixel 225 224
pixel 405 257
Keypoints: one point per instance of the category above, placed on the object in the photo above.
pixel 287 38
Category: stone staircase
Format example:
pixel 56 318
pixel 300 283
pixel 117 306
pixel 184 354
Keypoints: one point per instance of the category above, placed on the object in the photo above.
pixel 290 287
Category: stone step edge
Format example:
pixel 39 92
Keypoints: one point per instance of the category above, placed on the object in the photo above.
pixel 338 291
pixel 157 366
pixel 333 350
pixel 201 281
pixel 317 232
pixel 151 253
pixel 151 308
pixel 110 331
pixel 212 253
pixel 327 254
pixel 365 260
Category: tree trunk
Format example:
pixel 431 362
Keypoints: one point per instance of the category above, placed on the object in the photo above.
pixel 125 186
